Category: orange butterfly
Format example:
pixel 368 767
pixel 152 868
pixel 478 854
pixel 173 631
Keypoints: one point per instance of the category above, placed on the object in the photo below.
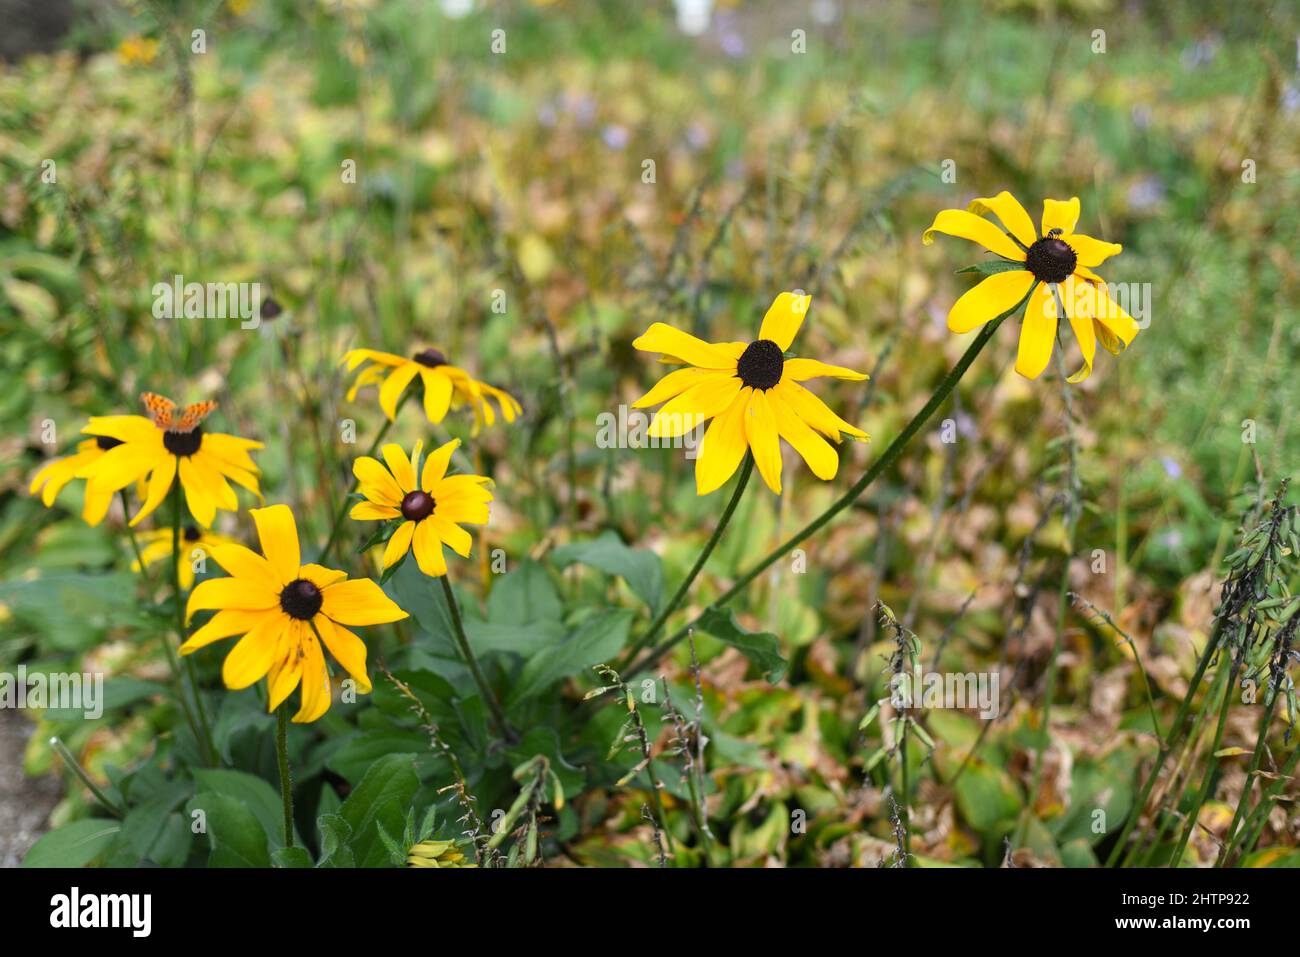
pixel 163 412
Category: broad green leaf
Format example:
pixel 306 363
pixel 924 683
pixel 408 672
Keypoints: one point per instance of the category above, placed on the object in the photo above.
pixel 249 790
pixel 383 796
pixel 73 845
pixel 639 567
pixel 600 638
pixel 234 833
pixel 524 596
pixel 760 647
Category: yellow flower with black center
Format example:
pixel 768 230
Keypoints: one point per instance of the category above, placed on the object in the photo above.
pixel 286 611
pixel 196 545
pixel 445 386
pixel 51 478
pixel 1052 271
pixel 430 510
pixel 752 392
pixel 168 446
pixel 437 854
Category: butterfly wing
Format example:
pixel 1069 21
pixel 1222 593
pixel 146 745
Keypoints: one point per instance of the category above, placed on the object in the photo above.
pixel 193 415
pixel 160 408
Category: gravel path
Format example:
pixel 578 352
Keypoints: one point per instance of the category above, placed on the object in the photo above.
pixel 24 802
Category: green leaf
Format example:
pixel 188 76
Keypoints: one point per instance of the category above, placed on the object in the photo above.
pixel 73 845
pixel 234 833
pixel 986 796
pixel 600 638
pixel 991 266
pixel 381 798
pixel 249 790
pixel 639 567
pixel 523 596
pixel 355 758
pixel 334 836
pixel 291 857
pixel 760 647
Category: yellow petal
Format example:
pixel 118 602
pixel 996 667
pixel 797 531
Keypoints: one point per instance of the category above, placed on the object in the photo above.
pixel 814 411
pixel 315 682
pixel 278 534
pixel 96 504
pixel 160 483
pixel 800 370
pixel 399 543
pixel 964 225
pixel 437 394
pixel 1111 315
pixel 674 383
pixel 1091 252
pixel 661 337
pixel 369 511
pixel 400 466
pixel 452 535
pixel 238 593
pixel 723 446
pixel 359 602
pixel 377 483
pixel 319 575
pixel 784 317
pixel 816 451
pixel 253 655
pixel 993 296
pixel 694 406
pixel 1037 333
pixel 1060 214
pixel 120 466
pixel 761 434
pixel 1008 209
pixel 201 500
pixel 427 547
pixel 435 466
pixel 227 622
pixel 124 428
pixel 1080 306
pixel 287 671
pixel 348 650
pixel 394 386
pixel 243 562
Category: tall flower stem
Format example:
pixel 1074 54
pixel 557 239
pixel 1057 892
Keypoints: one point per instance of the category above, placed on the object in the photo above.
pixel 887 459
pixel 1211 766
pixel 282 757
pixel 203 732
pixel 656 626
pixel 343 506
pixel 462 643
pixel 135 544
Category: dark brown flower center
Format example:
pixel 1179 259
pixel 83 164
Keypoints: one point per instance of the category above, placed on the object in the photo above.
pixel 191 533
pixel 417 506
pixel 183 443
pixel 761 364
pixel 431 358
pixel 1051 259
pixel 107 442
pixel 301 599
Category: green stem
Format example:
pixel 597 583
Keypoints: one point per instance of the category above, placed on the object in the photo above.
pixel 343 507
pixel 656 626
pixel 282 756
pixel 1254 825
pixel 887 458
pixel 135 545
pixel 1244 801
pixel 1175 735
pixel 467 653
pixel 1211 767
pixel 203 732
pixel 70 760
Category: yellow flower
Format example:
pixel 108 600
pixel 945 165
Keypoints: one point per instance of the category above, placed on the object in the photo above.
pixel 431 510
pixel 445 386
pixel 285 610
pixel 137 50
pixel 53 476
pixel 196 545
pixel 751 391
pixel 168 446
pixel 239 7
pixel 1055 273
pixel 437 854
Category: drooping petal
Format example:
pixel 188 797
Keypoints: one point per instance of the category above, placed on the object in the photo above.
pixel 354 358
pixel 394 386
pixel 437 394
pixel 359 602
pixel 348 650
pixel 452 535
pixel 764 445
pixel 1060 214
pixel 1080 302
pixel 993 296
pixel 1037 333
pixel 964 225
pixel 399 543
pixel 1113 317
pixel 1008 209
pixel 427 547
pixel 815 412
pixel 160 483
pixel 278 534
pixel 816 451
pixel 123 464
pixel 800 370
pixel 287 671
pixel 315 682
pixel 661 337
pixel 254 654
pixel 784 317
pixel 694 406
pixel 200 499
pixel 723 446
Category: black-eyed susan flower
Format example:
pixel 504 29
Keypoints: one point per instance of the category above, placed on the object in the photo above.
pixel 285 611
pixel 445 386
pixel 51 478
pixel 167 446
pixel 196 545
pixel 752 392
pixel 1050 270
pixel 428 505
pixel 437 854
